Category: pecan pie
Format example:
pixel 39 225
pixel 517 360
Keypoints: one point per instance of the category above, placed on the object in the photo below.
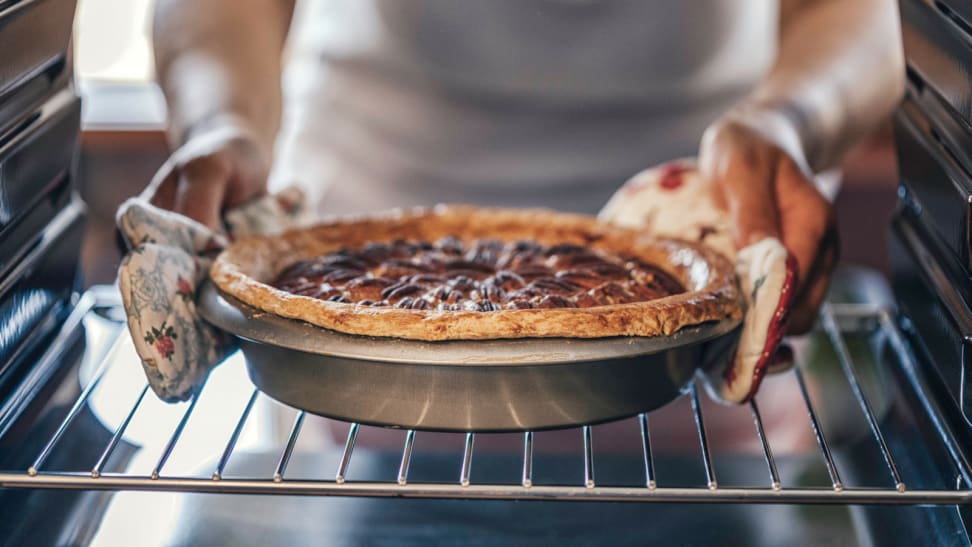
pixel 461 272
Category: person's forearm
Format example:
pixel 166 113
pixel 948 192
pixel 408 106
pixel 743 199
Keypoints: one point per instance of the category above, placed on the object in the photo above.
pixel 219 61
pixel 839 72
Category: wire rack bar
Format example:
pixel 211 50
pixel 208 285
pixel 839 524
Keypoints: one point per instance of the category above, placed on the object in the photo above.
pixel 235 436
pixel 467 452
pixel 767 451
pixel 710 476
pixel 818 432
pixel 77 406
pixel 342 471
pixel 20 397
pixel 527 480
pixel 119 431
pixel 824 496
pixel 176 435
pixel 836 320
pixel 588 457
pixel 646 451
pixel 288 450
pixel 406 457
pixel 929 405
pixel 847 364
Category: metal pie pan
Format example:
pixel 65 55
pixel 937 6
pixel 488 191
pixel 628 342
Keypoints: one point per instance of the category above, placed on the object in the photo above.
pixel 474 385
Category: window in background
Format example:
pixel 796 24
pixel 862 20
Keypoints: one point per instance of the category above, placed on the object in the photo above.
pixel 114 64
pixel 113 40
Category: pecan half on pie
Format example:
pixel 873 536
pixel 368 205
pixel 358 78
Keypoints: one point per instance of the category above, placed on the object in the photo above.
pixel 471 273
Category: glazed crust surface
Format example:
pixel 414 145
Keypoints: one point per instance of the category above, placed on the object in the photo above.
pixel 248 266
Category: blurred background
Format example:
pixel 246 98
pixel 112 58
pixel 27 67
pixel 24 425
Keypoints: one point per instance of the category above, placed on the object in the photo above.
pixel 123 141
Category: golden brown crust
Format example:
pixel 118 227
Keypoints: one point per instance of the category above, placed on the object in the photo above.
pixel 245 268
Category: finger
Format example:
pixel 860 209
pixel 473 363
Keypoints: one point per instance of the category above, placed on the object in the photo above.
pixel 240 194
pixel 249 174
pixel 200 201
pixel 200 194
pixel 813 293
pixel 808 219
pixel 161 192
pixel 245 187
pixel 743 174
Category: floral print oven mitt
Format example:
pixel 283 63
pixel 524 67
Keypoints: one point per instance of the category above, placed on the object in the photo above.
pixel 169 256
pixel 671 200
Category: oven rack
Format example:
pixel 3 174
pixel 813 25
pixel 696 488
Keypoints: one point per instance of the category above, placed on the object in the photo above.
pixel 835 320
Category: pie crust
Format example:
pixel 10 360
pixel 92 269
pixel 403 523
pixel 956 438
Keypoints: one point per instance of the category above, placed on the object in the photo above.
pixel 247 268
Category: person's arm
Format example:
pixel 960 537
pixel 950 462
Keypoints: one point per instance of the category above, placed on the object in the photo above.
pixel 839 72
pixel 219 65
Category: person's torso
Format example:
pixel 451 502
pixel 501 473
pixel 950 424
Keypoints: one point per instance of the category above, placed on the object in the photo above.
pixel 513 102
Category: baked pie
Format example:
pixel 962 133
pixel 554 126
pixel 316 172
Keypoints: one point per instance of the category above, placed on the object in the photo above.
pixel 460 272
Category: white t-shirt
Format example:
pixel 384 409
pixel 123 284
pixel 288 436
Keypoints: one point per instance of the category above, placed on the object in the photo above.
pixel 508 102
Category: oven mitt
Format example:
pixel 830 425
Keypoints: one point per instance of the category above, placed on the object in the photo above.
pixel 671 200
pixel 169 257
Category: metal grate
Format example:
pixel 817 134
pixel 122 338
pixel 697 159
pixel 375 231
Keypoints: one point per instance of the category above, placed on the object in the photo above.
pixel 833 316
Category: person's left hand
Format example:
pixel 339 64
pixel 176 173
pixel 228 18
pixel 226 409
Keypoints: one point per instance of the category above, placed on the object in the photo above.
pixel 768 194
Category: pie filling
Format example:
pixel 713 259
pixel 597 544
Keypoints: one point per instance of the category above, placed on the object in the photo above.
pixel 484 275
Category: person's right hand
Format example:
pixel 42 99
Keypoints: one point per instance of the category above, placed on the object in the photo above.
pixel 767 194
pixel 212 172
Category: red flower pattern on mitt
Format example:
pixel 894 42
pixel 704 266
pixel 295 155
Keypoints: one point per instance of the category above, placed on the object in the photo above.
pixel 671 175
pixel 184 289
pixel 163 339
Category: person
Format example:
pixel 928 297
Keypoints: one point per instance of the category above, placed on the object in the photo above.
pixel 527 102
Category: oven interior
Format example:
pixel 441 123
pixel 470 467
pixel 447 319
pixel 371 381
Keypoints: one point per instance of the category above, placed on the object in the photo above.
pixel 866 440
pixel 877 454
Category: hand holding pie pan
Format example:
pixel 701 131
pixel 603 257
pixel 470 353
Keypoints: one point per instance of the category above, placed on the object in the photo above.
pixel 571 323
pixel 461 318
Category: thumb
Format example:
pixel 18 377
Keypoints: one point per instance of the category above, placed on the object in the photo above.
pixel 201 192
